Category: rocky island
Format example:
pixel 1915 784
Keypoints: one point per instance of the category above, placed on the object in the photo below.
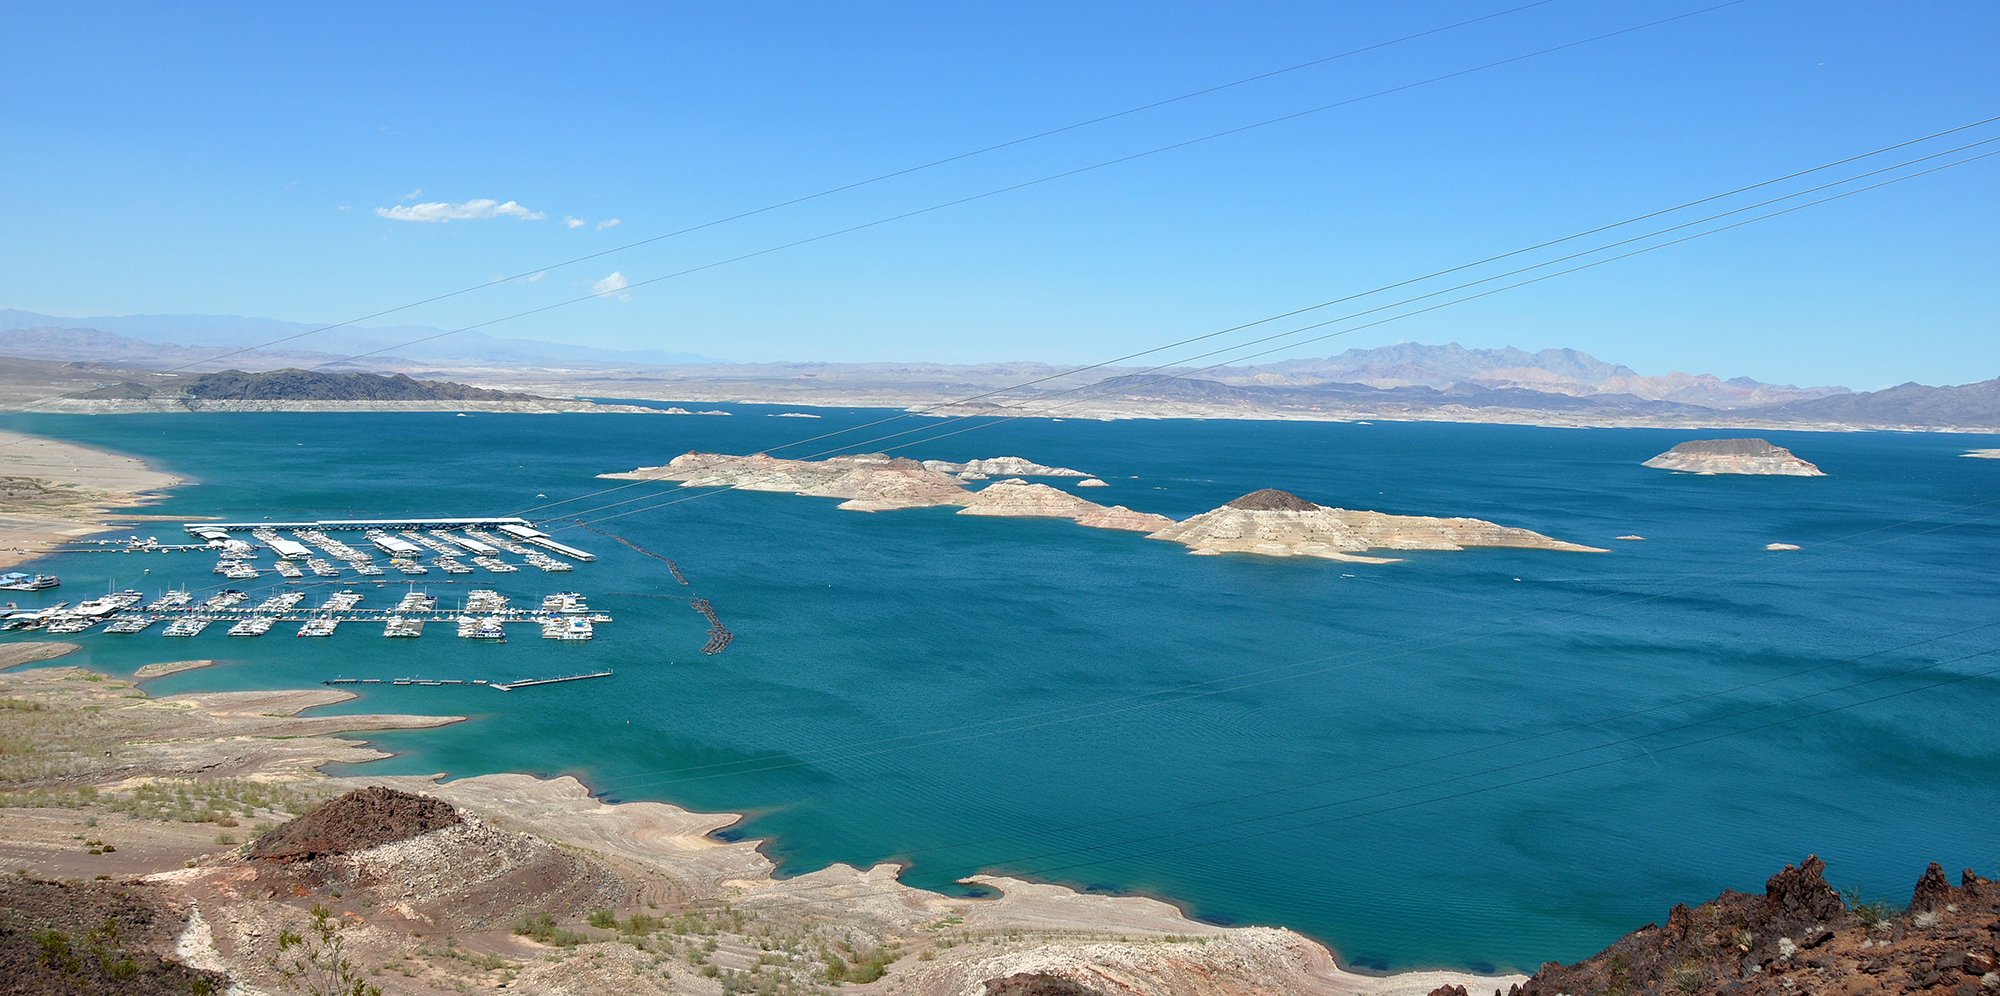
pixel 1268 522
pixel 1733 456
pixel 877 482
pixel 1280 524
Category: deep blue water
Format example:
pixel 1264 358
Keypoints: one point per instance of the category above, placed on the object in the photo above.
pixel 1394 759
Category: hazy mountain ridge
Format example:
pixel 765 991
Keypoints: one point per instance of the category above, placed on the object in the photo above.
pixel 1405 380
pixel 210 333
pixel 1555 371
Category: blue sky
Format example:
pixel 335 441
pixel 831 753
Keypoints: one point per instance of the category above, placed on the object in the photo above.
pixel 239 160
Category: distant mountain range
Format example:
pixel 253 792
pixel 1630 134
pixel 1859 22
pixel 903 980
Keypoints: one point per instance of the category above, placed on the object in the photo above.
pixel 1406 380
pixel 190 338
pixel 1554 371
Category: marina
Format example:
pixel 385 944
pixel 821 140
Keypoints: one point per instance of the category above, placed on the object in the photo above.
pixel 483 614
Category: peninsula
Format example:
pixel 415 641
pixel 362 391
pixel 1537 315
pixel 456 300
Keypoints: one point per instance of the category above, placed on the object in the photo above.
pixel 51 491
pixel 1733 456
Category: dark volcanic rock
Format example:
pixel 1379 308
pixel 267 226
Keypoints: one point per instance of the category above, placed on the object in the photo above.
pixel 311 385
pixel 356 821
pixel 92 937
pixel 1037 984
pixel 1932 890
pixel 1799 938
pixel 1273 500
pixel 1729 447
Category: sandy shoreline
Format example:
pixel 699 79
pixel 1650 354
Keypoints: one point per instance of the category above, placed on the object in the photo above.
pixel 56 491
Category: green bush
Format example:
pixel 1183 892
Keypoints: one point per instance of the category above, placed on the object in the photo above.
pixel 603 919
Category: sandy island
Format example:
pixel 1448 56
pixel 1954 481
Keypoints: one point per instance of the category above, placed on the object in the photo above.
pixel 52 491
pixel 687 910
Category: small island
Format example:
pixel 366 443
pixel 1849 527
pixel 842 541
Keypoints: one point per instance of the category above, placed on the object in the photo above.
pixel 877 482
pixel 1733 456
pixel 1280 524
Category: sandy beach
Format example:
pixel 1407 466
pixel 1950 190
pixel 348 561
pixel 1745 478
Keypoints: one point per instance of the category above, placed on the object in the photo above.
pixel 52 491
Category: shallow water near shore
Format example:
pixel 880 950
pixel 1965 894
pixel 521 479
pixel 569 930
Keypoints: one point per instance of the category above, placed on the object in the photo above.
pixel 1394 759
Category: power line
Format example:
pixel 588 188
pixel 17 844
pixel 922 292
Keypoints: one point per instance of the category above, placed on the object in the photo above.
pixel 1341 300
pixel 1125 389
pixel 905 171
pixel 1044 179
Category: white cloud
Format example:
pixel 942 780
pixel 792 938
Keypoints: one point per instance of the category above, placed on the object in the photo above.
pixel 440 211
pixel 344 207
pixel 537 276
pixel 412 195
pixel 569 222
pixel 602 225
pixel 610 285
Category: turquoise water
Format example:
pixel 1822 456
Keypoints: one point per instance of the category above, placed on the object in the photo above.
pixel 1383 757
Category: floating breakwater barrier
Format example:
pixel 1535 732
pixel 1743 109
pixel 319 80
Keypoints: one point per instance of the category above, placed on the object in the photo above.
pixel 718 634
pixel 434 682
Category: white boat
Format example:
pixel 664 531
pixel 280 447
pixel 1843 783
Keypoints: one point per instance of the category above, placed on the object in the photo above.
pixel 366 568
pixel 566 628
pixel 130 624
pixel 417 601
pixel 223 600
pixel 341 601
pixel 401 627
pixel 289 569
pixel 322 569
pixel 17 581
pixel 319 626
pixel 485 600
pixel 473 628
pixel 279 603
pixel 170 601
pixel 253 626
pixel 495 564
pixel 73 624
pixel 450 566
pixel 187 626
pixel 564 601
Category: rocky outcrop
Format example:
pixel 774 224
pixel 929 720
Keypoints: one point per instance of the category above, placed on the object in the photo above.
pixel 1039 500
pixel 869 482
pixel 997 466
pixel 1733 456
pixel 1800 937
pixel 1279 524
pixel 1037 984
pixel 359 820
pixel 877 482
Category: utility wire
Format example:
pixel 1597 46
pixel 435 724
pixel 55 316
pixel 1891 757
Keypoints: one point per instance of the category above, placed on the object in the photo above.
pixel 1045 179
pixel 1127 389
pixel 1341 300
pixel 905 171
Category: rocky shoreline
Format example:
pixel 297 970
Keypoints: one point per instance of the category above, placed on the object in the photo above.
pixel 533 883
